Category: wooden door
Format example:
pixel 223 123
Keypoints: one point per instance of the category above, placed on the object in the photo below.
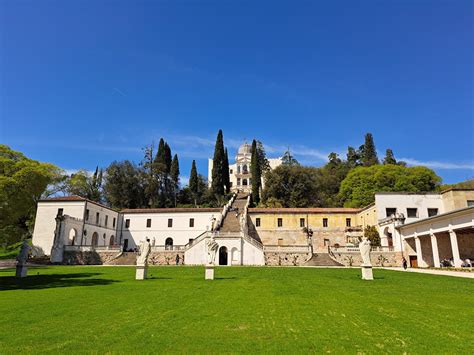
pixel 413 261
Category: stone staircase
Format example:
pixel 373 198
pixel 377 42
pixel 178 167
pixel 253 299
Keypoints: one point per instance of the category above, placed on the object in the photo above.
pixel 126 258
pixel 231 223
pixel 322 259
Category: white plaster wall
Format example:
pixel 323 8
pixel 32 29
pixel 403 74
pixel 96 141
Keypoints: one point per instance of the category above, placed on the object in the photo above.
pixel 403 201
pixel 45 223
pixel 91 226
pixel 180 232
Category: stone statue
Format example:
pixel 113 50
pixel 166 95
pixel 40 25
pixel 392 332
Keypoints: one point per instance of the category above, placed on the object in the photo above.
pixel 153 241
pixel 213 223
pixel 23 255
pixel 21 269
pixel 212 248
pixel 364 247
pixel 145 249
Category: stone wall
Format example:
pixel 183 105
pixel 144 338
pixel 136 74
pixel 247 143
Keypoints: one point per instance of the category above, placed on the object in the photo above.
pixel 377 258
pixel 167 257
pixel 286 259
pixel 88 257
pixel 100 258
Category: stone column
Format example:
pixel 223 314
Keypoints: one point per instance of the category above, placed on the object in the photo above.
pixel 419 254
pixel 434 247
pixel 455 248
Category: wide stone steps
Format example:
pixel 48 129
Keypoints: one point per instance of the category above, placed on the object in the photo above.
pixel 231 223
pixel 127 258
pixel 322 259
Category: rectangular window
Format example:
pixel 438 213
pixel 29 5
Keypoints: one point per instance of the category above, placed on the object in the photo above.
pixel 60 211
pixel 113 223
pixel 230 183
pixel 191 222
pixel 280 222
pixel 412 212
pixel 301 222
pixel 327 242
pixel 170 222
pixel 325 222
pixel 432 212
pixel 87 215
pixel 148 223
pixel 127 223
pixel 238 181
pixel 106 220
pixel 231 171
pixel 348 222
pixel 390 211
pixel 257 222
pixel 470 203
pixel 97 218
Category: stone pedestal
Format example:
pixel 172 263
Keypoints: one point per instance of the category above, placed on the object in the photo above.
pixel 142 271
pixel 21 271
pixel 209 272
pixel 367 273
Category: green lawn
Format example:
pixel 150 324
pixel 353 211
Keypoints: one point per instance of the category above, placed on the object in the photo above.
pixel 103 309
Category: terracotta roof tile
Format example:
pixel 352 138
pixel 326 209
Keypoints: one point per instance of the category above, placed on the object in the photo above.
pixel 169 210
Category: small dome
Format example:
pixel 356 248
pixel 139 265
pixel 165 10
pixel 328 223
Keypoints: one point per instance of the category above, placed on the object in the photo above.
pixel 245 149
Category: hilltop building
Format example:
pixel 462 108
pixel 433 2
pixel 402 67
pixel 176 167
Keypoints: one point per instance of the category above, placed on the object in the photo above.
pixel 239 172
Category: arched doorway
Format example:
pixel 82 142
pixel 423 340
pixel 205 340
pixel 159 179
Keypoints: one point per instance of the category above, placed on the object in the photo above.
pixel 72 236
pixel 111 242
pixel 169 244
pixel 95 239
pixel 223 256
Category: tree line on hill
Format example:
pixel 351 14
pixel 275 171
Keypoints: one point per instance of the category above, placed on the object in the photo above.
pixel 155 182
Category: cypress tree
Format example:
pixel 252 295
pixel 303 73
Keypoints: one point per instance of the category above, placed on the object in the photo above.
pixel 217 186
pixel 389 158
pixel 255 170
pixel 167 158
pixel 226 177
pixel 369 156
pixel 194 182
pixel 174 174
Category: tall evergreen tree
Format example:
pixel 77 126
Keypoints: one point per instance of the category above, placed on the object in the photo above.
pixel 256 171
pixel 389 158
pixel 167 158
pixel 369 156
pixel 226 177
pixel 174 175
pixel 217 186
pixel 288 159
pixel 194 182
pixel 150 176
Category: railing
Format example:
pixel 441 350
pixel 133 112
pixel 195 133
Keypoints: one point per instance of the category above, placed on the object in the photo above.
pixel 168 248
pixel 115 248
pixel 196 240
pixel 287 249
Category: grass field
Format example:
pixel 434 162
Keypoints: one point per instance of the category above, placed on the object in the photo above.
pixel 103 309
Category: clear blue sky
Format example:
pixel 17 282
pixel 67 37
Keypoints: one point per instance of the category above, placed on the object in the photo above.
pixel 84 83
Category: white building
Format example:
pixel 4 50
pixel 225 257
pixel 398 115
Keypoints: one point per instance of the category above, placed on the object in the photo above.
pixel 240 177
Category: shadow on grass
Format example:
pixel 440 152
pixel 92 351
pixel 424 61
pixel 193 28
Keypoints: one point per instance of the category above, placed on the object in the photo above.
pixel 35 282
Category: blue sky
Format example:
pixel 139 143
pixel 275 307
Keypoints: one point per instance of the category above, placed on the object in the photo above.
pixel 84 83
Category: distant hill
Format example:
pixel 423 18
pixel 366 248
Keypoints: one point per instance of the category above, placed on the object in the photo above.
pixel 468 184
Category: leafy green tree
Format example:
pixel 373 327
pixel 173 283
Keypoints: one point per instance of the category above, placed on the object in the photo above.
pixel 359 187
pixel 78 183
pixel 371 233
pixel 95 186
pixel 226 172
pixel 291 186
pixel 217 185
pixel 368 152
pixel 124 186
pixel 389 158
pixel 22 183
pixel 256 172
